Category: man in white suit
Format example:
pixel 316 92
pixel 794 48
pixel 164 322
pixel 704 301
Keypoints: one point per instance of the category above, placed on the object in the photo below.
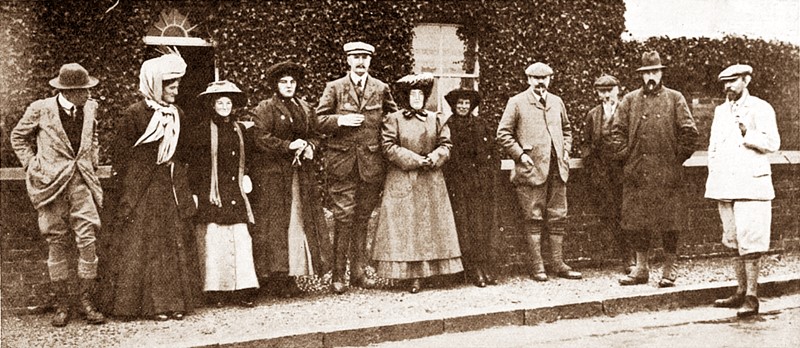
pixel 743 132
pixel 56 142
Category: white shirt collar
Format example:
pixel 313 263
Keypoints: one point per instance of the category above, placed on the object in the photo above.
pixel 355 78
pixel 543 95
pixel 64 103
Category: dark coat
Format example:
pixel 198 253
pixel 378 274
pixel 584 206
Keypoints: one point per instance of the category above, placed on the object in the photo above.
pixel 355 147
pixel 154 258
pixel 605 172
pixel 469 177
pixel 653 134
pixel 275 128
pixel 233 209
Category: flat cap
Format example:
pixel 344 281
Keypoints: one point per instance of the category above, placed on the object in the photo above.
pixel 606 81
pixel 539 69
pixel 358 47
pixel 734 71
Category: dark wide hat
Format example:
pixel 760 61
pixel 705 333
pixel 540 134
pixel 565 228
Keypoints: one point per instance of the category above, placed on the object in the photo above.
pixel 286 68
pixel 73 76
pixel 423 82
pixel 225 88
pixel 453 96
pixel 651 61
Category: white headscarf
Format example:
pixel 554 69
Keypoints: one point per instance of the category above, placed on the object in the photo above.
pixel 165 123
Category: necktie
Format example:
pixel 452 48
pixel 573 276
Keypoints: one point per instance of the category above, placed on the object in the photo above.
pixel 359 90
pixel 541 100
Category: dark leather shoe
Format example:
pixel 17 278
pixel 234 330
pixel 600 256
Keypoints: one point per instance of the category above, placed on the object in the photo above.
pixel 178 315
pixel 362 282
pixel 539 277
pixel 338 287
pixel 735 301
pixel 415 286
pixel 161 317
pixel 666 283
pixel 749 307
pixel 628 280
pixel 62 317
pixel 480 278
pixel 490 279
pixel 569 274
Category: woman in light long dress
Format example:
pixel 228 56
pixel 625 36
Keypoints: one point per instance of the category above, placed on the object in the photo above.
pixel 416 236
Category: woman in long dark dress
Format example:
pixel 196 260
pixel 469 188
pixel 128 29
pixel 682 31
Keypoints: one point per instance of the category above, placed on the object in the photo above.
pixel 291 238
pixel 469 180
pixel 154 255
pixel 416 236
pixel 219 167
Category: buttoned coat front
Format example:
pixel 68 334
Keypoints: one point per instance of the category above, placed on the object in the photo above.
pixel 653 134
pixel 529 127
pixel 51 166
pixel 738 166
pixel 358 147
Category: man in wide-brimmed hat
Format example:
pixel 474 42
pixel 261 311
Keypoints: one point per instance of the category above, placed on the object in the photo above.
pixel 605 172
pixel 350 111
pixel 743 133
pixel 653 132
pixel 535 131
pixel 56 142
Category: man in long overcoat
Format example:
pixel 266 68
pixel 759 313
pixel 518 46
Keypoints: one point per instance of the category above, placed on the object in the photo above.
pixel 351 111
pixel 56 142
pixel 743 132
pixel 605 172
pixel 654 133
pixel 535 131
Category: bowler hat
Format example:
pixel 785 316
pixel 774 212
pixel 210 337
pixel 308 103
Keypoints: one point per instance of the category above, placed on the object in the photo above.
pixel 225 88
pixel 73 76
pixel 358 47
pixel 606 81
pixel 734 71
pixel 539 69
pixel 473 96
pixel 651 61
pixel 285 68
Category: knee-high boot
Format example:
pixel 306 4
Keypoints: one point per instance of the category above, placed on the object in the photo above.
pixel 752 267
pixel 737 299
pixel 341 246
pixel 93 316
pixel 562 269
pixel 534 230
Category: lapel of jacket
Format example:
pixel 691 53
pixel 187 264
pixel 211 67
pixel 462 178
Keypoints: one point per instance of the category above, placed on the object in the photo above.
pixel 597 122
pixel 351 91
pixel 87 132
pixel 369 90
pixel 54 122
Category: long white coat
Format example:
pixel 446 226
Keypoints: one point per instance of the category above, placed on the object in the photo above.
pixel 738 166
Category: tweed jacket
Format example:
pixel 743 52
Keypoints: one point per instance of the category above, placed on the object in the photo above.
pixel 529 127
pixel 738 167
pixel 359 147
pixel 50 167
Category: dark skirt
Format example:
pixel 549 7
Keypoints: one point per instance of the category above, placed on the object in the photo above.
pixel 154 261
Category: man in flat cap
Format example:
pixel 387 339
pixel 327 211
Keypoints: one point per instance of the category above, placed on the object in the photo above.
pixel 743 132
pixel 535 131
pixel 56 142
pixel 605 172
pixel 351 111
pixel 654 133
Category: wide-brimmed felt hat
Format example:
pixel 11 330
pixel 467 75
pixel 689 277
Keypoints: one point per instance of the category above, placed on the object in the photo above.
pixel 225 88
pixel 285 68
pixel 473 96
pixel 651 61
pixel 73 76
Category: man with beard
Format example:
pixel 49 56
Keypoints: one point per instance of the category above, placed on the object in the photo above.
pixel 351 112
pixel 743 132
pixel 605 172
pixel 654 133
pixel 535 131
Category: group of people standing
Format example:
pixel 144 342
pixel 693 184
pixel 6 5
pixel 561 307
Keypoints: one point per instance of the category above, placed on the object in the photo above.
pixel 224 206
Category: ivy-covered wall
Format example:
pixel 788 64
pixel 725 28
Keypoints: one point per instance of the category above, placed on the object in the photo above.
pixel 579 39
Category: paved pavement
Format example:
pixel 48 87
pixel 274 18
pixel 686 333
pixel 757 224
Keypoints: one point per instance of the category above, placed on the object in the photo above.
pixel 777 326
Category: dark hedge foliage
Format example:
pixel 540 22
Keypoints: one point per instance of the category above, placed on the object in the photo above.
pixel 580 39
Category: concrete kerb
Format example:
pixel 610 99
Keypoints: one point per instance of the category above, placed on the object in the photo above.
pixel 655 300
